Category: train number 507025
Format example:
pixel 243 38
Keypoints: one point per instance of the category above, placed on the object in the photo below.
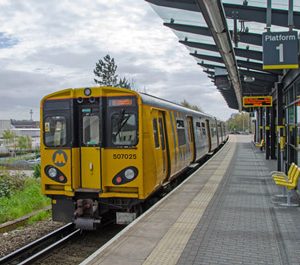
pixel 124 156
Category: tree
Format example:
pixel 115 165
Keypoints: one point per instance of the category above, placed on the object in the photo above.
pixel 24 142
pixel 124 83
pixel 8 136
pixel 106 72
pixel 239 122
pixel 186 104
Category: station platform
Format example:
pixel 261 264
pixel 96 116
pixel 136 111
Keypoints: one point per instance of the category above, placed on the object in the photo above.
pixel 225 213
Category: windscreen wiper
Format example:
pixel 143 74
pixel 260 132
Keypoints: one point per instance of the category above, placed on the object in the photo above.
pixel 122 121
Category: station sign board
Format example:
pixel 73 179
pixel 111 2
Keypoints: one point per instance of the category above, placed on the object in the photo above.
pixel 280 50
pixel 257 101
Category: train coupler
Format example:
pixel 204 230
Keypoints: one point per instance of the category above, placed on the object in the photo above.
pixel 86 214
pixel 86 223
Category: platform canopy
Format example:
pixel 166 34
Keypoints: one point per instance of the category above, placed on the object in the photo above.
pixel 225 38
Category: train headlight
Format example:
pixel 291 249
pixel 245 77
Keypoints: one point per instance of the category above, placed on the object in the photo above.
pixel 87 91
pixel 126 175
pixel 52 172
pixel 129 174
pixel 55 174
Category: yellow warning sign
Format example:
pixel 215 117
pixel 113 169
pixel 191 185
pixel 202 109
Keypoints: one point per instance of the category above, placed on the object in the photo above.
pixel 257 101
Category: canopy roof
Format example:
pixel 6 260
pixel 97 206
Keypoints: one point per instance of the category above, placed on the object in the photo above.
pixel 225 38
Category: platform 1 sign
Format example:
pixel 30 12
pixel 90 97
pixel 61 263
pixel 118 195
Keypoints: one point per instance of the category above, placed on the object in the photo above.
pixel 280 50
pixel 257 101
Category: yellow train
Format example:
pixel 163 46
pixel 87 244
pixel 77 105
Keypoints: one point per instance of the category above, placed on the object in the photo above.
pixel 106 150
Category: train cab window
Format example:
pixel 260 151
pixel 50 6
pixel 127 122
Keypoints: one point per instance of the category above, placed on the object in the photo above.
pixel 55 128
pixel 181 132
pixel 90 130
pixel 155 133
pixel 124 128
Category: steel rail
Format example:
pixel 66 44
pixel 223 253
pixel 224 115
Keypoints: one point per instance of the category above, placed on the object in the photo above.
pixel 31 251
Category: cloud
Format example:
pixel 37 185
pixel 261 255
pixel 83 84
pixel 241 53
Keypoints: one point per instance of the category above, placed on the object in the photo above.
pixel 51 45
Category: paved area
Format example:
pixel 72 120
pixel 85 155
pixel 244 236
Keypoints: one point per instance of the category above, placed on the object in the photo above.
pixel 243 224
pixel 224 214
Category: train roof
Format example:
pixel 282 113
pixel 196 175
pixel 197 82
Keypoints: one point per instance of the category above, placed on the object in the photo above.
pixel 162 103
pixel 146 99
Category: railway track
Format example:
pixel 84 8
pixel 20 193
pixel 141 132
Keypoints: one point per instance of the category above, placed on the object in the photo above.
pixel 41 247
pixel 58 248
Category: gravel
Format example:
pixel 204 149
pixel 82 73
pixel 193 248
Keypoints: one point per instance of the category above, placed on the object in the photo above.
pixel 12 240
pixel 78 249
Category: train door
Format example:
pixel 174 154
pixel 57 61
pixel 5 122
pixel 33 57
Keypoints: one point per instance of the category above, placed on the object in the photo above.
pixel 161 153
pixel 208 135
pixel 89 126
pixel 191 138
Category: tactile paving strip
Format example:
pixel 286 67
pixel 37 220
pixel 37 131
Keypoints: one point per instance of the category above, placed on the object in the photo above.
pixel 170 247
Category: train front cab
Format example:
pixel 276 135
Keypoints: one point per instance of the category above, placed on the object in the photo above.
pixel 91 152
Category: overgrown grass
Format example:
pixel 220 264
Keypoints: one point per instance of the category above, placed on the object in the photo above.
pixel 27 156
pixel 24 201
pixel 39 217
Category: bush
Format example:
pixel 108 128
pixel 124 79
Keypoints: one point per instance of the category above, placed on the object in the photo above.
pixel 10 184
pixel 37 171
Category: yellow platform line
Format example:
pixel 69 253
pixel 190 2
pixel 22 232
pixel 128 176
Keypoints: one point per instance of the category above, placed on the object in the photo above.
pixel 171 246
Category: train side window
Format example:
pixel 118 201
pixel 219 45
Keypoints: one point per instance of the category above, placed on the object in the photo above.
pixel 155 133
pixel 55 128
pixel 203 128
pixel 213 129
pixel 161 131
pixel 90 130
pixel 181 132
pixel 124 128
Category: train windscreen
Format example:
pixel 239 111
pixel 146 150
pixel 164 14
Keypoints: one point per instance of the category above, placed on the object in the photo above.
pixel 56 123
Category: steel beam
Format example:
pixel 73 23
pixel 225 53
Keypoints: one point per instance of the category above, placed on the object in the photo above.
pixel 247 13
pixel 258 82
pixel 241 63
pixel 189 28
pixel 209 72
pixel 207 57
pixel 258 75
pixel 256 66
pixel 249 38
pixel 244 37
pixel 188 5
pixel 258 14
pixel 246 53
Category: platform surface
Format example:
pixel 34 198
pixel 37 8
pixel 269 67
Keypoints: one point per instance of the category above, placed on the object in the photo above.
pixel 224 214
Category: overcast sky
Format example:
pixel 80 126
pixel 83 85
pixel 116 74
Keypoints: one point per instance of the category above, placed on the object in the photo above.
pixel 46 46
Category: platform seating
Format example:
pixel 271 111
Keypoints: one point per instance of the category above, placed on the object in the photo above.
pixel 260 144
pixel 281 175
pixel 289 183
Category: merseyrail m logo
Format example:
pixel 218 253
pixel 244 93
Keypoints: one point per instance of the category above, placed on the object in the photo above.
pixel 59 158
